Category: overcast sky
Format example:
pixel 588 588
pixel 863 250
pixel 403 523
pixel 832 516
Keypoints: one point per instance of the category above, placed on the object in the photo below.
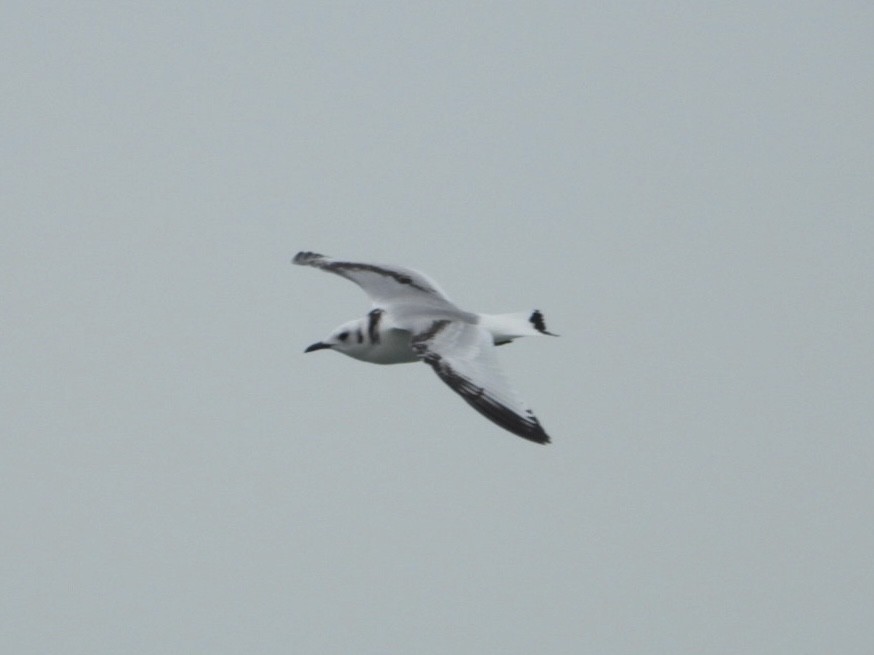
pixel 685 189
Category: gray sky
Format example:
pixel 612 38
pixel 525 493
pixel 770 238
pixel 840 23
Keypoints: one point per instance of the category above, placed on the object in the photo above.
pixel 684 189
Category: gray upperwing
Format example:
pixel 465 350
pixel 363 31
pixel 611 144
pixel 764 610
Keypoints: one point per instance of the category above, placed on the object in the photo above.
pixel 386 285
pixel 463 356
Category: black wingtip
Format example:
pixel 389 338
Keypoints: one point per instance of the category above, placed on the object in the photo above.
pixel 535 433
pixel 532 431
pixel 305 257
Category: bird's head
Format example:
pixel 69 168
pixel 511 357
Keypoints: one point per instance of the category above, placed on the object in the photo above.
pixel 349 339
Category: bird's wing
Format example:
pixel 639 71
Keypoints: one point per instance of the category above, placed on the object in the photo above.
pixel 386 285
pixel 463 355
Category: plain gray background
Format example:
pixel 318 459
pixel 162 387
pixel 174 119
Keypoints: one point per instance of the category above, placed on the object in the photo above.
pixel 685 189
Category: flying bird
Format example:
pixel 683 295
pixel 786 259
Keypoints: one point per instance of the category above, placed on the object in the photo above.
pixel 412 320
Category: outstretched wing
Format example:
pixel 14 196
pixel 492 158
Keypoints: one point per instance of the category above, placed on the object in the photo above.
pixel 386 285
pixel 463 355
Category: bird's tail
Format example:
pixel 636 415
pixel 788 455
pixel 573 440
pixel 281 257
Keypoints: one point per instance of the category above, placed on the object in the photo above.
pixel 506 327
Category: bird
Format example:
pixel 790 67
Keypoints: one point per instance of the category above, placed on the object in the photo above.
pixel 412 320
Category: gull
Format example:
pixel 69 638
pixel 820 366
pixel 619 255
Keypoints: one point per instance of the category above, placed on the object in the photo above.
pixel 412 320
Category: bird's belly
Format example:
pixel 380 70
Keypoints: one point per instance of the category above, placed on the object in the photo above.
pixel 393 347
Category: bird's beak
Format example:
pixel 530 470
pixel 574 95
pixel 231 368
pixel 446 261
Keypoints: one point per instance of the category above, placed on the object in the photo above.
pixel 317 346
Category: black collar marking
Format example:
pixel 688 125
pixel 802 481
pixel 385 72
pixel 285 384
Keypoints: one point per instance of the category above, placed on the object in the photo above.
pixel 373 318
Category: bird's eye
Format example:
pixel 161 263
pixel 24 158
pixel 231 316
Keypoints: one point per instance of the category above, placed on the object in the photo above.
pixel 343 336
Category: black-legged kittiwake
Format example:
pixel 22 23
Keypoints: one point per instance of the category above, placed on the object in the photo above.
pixel 412 320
